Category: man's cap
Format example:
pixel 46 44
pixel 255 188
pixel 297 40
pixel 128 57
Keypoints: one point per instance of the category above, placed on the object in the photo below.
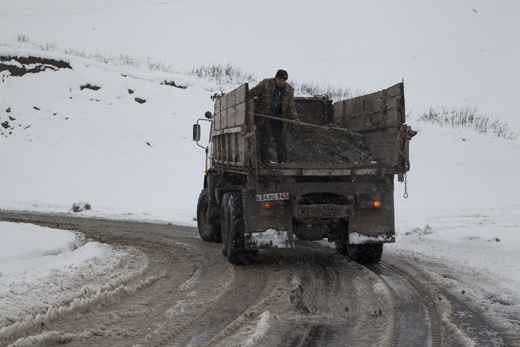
pixel 281 74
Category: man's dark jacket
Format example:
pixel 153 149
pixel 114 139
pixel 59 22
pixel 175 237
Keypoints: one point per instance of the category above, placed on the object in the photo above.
pixel 264 91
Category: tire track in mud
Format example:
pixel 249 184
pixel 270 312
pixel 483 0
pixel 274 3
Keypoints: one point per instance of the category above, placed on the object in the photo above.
pixel 321 299
pixel 464 320
pixel 212 315
pixel 414 324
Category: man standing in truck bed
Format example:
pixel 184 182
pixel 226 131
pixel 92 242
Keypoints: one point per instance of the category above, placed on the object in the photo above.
pixel 275 98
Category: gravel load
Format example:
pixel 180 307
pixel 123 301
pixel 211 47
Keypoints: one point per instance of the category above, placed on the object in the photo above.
pixel 309 144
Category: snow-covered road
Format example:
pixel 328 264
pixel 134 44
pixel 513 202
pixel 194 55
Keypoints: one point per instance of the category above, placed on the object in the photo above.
pixel 170 288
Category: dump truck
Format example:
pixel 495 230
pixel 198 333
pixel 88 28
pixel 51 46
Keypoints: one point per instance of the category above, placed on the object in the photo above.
pixel 248 205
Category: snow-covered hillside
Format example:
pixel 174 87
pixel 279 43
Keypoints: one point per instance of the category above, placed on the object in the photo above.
pixel 83 131
pixel 450 53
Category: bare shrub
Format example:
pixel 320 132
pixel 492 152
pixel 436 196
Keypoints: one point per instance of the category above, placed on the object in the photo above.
pixel 22 38
pixel 228 74
pixel 158 65
pixel 469 118
pixel 127 59
pixel 48 46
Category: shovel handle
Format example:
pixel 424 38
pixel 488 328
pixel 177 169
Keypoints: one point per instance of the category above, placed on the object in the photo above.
pixel 301 123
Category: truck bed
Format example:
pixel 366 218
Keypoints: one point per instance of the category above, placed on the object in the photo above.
pixel 378 117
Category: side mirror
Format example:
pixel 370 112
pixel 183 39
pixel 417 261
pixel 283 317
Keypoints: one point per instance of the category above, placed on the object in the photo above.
pixel 196 132
pixel 208 115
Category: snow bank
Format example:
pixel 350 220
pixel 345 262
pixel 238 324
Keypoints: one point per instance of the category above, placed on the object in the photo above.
pixel 23 243
pixel 43 268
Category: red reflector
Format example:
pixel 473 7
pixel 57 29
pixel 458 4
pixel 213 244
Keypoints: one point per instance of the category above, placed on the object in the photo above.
pixel 369 204
pixel 272 204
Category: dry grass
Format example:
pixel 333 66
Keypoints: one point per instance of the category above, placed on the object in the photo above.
pixel 469 118
pixel 229 74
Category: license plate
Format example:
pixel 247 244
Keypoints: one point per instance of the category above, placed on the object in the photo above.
pixel 272 196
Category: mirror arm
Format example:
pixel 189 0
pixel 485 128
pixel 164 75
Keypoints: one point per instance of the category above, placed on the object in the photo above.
pixel 196 131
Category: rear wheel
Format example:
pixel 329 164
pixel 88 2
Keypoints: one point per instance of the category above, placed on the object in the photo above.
pixel 366 253
pixel 232 222
pixel 342 244
pixel 209 231
pixel 342 241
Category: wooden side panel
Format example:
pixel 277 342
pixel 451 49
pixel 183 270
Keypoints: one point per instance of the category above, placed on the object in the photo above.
pixel 216 114
pixel 241 94
pixel 373 111
pixel 339 113
pixel 231 117
pixel 217 105
pixel 216 120
pixel 381 144
pixel 222 149
pixel 224 105
pixel 230 143
pixel 223 119
pixel 379 117
pixel 240 114
pixel 230 99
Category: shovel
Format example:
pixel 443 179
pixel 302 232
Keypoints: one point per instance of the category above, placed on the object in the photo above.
pixel 301 123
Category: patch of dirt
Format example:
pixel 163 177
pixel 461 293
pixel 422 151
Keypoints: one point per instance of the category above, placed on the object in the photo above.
pixel 172 84
pixel 19 66
pixel 89 86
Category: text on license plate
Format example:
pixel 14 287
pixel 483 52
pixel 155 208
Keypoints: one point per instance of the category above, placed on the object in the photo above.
pixel 272 196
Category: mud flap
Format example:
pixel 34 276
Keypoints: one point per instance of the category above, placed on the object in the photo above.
pixel 259 220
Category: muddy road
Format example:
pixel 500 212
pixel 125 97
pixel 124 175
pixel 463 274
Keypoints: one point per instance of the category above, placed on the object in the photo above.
pixel 183 292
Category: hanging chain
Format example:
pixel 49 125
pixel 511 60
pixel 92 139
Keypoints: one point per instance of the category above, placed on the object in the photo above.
pixel 405 195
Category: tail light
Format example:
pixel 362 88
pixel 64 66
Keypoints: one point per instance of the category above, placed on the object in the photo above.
pixel 272 204
pixel 370 204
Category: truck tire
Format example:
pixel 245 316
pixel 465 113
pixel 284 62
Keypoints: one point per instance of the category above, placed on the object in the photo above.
pixel 232 222
pixel 209 232
pixel 366 253
pixel 342 245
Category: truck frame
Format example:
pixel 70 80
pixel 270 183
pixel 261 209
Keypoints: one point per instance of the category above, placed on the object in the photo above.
pixel 248 205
